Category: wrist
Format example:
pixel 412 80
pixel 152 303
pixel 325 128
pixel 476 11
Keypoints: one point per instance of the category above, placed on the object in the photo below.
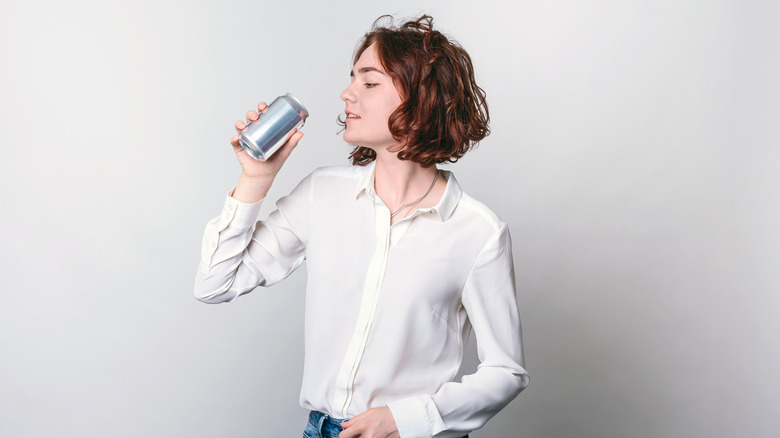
pixel 251 189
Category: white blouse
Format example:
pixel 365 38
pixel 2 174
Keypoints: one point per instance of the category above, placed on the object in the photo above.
pixel 407 296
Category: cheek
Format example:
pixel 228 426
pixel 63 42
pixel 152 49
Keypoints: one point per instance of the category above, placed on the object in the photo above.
pixel 384 121
pixel 389 105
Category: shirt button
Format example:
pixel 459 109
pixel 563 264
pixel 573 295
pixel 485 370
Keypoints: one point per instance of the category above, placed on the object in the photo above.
pixel 213 244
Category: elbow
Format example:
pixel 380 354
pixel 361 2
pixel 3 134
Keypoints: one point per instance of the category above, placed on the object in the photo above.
pixel 516 378
pixel 211 298
pixel 209 290
pixel 522 381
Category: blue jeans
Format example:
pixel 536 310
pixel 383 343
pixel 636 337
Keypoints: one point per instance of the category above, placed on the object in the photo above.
pixel 324 426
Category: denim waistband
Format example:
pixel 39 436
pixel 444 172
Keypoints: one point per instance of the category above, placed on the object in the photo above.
pixel 326 425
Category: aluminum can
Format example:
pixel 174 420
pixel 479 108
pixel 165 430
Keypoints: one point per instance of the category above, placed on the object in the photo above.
pixel 267 134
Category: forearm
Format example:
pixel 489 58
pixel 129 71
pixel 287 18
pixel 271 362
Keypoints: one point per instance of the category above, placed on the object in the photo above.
pixel 225 272
pixel 239 253
pixel 458 408
pixel 252 189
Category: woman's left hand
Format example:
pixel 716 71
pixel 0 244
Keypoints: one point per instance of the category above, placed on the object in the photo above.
pixel 374 423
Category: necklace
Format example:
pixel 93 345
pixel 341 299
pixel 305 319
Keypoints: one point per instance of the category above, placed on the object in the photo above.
pixel 416 201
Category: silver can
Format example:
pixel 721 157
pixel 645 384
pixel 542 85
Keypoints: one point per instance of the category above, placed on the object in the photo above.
pixel 267 134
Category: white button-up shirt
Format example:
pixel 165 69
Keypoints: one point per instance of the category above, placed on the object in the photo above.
pixel 407 296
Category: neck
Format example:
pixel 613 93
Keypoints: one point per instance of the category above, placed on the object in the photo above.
pixel 399 182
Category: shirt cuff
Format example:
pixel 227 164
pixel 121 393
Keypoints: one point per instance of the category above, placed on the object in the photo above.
pixel 240 214
pixel 411 418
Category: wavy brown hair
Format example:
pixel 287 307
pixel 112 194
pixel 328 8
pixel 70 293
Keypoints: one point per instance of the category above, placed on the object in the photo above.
pixel 443 113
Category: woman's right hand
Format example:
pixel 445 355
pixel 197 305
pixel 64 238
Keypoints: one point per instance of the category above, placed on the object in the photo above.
pixel 257 176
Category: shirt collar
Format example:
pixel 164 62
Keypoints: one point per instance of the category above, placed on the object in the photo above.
pixel 366 181
pixel 451 197
pixel 443 209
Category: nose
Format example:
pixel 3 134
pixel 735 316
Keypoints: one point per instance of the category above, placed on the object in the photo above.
pixel 347 95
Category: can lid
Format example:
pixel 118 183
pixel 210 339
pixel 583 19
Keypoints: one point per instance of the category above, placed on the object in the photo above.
pixel 295 103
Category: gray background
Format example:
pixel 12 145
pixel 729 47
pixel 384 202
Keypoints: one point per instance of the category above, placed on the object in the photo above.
pixel 634 154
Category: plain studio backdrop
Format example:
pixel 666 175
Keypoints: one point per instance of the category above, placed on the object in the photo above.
pixel 634 154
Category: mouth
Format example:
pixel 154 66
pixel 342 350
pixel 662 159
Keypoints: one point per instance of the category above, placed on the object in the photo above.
pixel 351 116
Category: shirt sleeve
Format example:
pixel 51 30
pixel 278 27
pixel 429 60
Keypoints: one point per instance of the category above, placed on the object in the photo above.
pixel 239 253
pixel 458 408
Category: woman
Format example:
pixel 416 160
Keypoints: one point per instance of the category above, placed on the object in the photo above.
pixel 401 262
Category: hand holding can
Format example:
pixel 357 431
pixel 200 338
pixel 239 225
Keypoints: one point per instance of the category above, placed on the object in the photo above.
pixel 263 137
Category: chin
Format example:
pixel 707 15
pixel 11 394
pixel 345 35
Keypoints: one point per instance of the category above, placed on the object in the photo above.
pixel 353 140
pixel 348 138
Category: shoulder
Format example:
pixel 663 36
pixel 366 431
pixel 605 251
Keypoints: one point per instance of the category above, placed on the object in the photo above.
pixel 479 214
pixel 483 234
pixel 338 178
pixel 332 174
pixel 478 224
pixel 332 181
pixel 339 172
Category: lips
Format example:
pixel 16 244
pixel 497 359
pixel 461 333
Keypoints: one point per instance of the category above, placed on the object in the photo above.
pixel 352 116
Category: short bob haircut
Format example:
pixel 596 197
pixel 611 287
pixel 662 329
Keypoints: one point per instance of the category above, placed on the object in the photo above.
pixel 443 113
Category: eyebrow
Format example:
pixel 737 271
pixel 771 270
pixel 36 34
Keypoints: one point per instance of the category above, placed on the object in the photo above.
pixel 366 70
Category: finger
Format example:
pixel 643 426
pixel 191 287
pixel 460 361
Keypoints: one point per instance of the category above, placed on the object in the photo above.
pixel 295 138
pixel 234 141
pixel 288 147
pixel 241 126
pixel 348 434
pixel 356 419
pixel 251 116
pixel 262 107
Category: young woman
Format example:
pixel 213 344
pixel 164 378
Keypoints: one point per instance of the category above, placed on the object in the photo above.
pixel 401 263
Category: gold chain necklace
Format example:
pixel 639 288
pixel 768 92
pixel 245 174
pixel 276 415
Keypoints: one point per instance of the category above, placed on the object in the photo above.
pixel 435 177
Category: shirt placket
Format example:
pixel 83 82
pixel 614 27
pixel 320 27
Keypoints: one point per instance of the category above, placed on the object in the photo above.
pixel 376 271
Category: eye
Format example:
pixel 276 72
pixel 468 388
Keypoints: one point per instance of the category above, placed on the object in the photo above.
pixel 370 85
